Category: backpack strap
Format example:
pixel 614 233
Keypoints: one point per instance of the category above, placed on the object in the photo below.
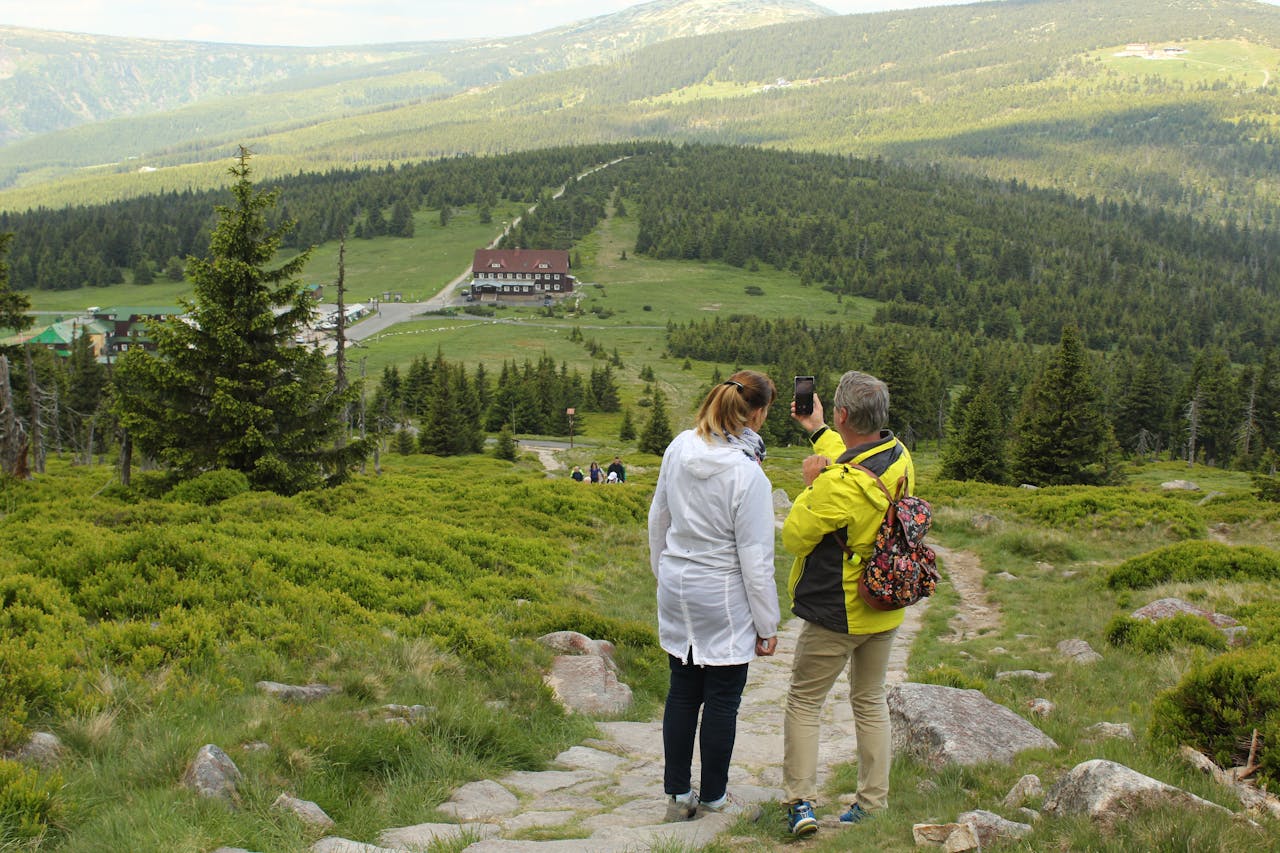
pixel 901 490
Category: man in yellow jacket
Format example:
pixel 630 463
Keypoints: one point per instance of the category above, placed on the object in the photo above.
pixel 841 503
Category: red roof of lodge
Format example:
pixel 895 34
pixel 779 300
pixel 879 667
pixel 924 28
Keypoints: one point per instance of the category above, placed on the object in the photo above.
pixel 521 260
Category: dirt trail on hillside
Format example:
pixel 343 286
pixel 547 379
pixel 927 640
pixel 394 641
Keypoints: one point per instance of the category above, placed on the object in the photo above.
pixel 975 614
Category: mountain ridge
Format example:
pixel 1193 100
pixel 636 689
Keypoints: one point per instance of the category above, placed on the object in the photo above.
pixel 53 81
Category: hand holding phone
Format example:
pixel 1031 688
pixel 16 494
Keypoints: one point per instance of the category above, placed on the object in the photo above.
pixel 804 395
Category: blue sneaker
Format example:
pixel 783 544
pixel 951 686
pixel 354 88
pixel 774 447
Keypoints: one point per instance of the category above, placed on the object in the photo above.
pixel 855 814
pixel 800 818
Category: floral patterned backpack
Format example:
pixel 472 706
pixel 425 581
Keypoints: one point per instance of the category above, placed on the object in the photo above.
pixel 901 569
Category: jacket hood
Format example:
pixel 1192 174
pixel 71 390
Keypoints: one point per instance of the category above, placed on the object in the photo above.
pixel 704 459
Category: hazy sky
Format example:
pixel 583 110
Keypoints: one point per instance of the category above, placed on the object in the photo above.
pixel 325 22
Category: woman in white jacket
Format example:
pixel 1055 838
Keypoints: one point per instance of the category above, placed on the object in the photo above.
pixel 711 549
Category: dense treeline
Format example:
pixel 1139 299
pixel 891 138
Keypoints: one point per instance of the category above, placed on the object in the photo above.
pixel 94 246
pixel 448 408
pixel 966 254
pixel 1206 409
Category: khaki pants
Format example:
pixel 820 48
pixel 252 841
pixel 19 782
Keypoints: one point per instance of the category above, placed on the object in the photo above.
pixel 820 655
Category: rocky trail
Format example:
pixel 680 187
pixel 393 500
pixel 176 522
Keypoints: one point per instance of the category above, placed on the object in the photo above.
pixel 610 789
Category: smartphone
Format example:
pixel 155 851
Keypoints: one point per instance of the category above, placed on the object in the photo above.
pixel 804 395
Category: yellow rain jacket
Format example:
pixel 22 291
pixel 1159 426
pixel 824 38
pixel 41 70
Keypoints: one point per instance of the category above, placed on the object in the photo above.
pixel 824 582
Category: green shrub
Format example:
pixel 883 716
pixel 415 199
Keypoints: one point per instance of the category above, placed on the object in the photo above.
pixel 1266 488
pixel 1142 635
pixel 1113 509
pixel 1049 546
pixel 39 634
pixel 1195 561
pixel 949 676
pixel 1218 704
pixel 28 804
pixel 211 487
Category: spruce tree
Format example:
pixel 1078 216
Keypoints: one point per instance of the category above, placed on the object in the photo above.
pixel 505 446
pixel 627 432
pixel 976 449
pixel 1061 435
pixel 657 432
pixel 228 389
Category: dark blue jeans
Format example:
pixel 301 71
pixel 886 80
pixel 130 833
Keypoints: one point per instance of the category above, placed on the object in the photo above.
pixel 717 692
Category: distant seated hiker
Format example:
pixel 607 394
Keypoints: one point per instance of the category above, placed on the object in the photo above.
pixel 577 473
pixel 711 549
pixel 613 477
pixel 840 503
pixel 615 467
pixel 595 474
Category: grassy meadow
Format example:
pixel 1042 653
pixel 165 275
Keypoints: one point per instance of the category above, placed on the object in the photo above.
pixel 150 618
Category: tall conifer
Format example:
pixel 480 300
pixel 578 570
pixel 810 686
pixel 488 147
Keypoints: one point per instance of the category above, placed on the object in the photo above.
pixel 228 389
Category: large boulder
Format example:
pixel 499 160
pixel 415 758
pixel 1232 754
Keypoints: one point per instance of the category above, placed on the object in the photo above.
pixel 1106 792
pixel 588 685
pixel 991 828
pixel 43 749
pixel 1167 608
pixel 212 774
pixel 944 725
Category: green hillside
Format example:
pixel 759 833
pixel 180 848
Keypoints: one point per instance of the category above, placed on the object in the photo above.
pixel 1030 90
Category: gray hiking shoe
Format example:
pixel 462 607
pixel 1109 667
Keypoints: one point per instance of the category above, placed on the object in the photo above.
pixel 681 807
pixel 733 807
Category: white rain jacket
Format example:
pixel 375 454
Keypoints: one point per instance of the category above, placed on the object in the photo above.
pixel 711 549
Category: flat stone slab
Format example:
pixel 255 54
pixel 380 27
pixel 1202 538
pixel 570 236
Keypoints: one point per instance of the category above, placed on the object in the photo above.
pixel 479 801
pixel 544 781
pixel 636 738
pixel 586 758
pixel 537 820
pixel 343 845
pixel 423 834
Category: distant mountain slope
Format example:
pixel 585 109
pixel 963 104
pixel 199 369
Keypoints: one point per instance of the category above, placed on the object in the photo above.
pixel 51 81
pixel 1030 90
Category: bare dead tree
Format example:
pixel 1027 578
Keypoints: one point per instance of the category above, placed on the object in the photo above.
pixel 1193 425
pixel 36 431
pixel 13 439
pixel 340 336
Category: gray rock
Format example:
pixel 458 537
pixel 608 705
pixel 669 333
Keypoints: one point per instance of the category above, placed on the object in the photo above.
pixel 982 521
pixel 408 713
pixel 476 801
pixel 588 685
pixel 992 828
pixel 1023 673
pixel 537 820
pixel 1110 730
pixel 43 749
pixel 1167 608
pixel 1030 814
pixel 1029 487
pixel 1026 788
pixel 952 837
pixel 422 835
pixel 342 845
pixel 545 781
pixel 781 502
pixel 1106 791
pixel 1079 651
pixel 1041 707
pixel 573 643
pixel 943 725
pixel 297 692
pixel 1006 576
pixel 1218 528
pixel 231 850
pixel 214 775
pixel 308 812
pixel 1179 486
pixel 586 758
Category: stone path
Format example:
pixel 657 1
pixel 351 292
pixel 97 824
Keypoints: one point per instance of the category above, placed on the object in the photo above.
pixel 608 792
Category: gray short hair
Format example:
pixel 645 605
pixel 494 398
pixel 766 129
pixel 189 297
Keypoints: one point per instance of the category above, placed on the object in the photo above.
pixel 865 399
